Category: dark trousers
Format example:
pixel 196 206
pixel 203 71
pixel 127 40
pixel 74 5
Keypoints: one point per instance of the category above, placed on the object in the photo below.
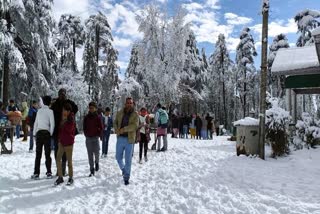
pixel 143 144
pixel 198 133
pixel 64 157
pixel 217 131
pixel 42 140
pixel 105 141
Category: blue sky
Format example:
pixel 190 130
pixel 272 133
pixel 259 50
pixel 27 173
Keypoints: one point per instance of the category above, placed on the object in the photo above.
pixel 209 19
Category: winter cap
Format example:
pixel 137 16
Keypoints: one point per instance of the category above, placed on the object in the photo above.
pixel 159 105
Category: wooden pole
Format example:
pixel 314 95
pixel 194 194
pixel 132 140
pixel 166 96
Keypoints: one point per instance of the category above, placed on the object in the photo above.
pixel 264 69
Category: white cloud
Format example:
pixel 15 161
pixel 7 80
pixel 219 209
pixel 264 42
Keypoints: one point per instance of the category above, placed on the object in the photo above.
pixel 205 23
pixel 234 19
pixel 232 44
pixel 121 42
pixel 76 7
pixel 191 7
pixel 123 20
pixel 213 4
pixel 277 27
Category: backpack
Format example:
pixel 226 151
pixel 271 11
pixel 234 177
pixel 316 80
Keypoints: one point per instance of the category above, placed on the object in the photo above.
pixel 163 118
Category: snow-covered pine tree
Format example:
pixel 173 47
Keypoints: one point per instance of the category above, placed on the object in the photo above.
pixel 306 20
pixel 220 64
pixel 11 61
pixel 276 83
pixel 98 45
pixel 70 36
pixel 31 24
pixel 244 58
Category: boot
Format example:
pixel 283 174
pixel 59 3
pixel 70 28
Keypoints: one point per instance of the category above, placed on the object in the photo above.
pixel 58 181
pixel 91 173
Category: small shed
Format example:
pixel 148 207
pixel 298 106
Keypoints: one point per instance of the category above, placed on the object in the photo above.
pixel 301 68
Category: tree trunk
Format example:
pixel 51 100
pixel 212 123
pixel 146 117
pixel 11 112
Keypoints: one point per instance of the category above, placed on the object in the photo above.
pixel 74 55
pixel 245 93
pixel 6 79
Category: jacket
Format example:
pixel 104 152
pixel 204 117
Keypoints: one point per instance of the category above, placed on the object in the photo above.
pixel 44 120
pixel 92 125
pixel 25 110
pixel 57 107
pixel 67 131
pixel 107 123
pixel 132 126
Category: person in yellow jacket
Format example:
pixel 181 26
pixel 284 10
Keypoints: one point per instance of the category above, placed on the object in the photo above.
pixel 24 113
pixel 125 125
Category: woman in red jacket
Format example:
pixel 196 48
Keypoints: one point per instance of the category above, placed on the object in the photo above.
pixel 66 141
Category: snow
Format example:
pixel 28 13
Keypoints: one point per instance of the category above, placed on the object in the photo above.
pixel 248 121
pixel 294 59
pixel 316 31
pixel 191 177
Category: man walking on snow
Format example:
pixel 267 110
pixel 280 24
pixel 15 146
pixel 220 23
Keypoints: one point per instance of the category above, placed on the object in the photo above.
pixel 125 126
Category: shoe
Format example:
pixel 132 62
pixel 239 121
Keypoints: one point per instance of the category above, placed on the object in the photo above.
pixel 145 159
pixel 70 181
pixel 140 161
pixel 97 167
pixel 49 175
pixel 162 149
pixel 126 182
pixel 30 151
pixel 24 140
pixel 35 177
pixel 158 150
pixel 58 181
pixel 91 173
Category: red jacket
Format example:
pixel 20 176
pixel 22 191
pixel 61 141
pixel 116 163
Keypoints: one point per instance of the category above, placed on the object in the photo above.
pixel 67 131
pixel 92 125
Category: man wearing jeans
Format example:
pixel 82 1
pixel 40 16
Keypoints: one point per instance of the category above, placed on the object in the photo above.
pixel 125 125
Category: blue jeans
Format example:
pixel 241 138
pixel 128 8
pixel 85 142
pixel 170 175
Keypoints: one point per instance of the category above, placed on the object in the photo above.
pixel 31 139
pixel 105 141
pixel 123 145
pixel 185 131
pixel 18 127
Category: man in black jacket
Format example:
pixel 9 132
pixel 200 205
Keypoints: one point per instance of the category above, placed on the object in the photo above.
pixel 57 107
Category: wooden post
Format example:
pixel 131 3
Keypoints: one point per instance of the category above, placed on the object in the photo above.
pixel 264 69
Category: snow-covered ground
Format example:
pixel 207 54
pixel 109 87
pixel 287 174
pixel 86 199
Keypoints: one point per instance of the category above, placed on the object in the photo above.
pixel 191 177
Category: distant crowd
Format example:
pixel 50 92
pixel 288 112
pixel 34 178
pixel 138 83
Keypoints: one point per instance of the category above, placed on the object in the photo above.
pixel 51 124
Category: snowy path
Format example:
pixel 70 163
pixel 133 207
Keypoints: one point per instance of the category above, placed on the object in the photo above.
pixel 191 177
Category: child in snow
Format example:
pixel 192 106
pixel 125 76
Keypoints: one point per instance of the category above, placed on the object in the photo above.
pixel 143 134
pixel 92 128
pixel 66 141
pixel 108 123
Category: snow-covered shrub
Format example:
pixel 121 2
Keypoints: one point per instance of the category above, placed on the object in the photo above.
pixel 308 132
pixel 277 121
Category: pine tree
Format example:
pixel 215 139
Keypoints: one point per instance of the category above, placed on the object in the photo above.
pixel 98 46
pixel 244 58
pixel 220 63
pixel 276 83
pixel 306 21
pixel 31 26
pixel 70 36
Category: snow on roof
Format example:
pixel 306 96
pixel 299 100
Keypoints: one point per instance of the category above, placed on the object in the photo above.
pixel 290 61
pixel 316 31
pixel 247 121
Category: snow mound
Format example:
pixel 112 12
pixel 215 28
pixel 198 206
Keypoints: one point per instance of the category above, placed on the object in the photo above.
pixel 248 121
